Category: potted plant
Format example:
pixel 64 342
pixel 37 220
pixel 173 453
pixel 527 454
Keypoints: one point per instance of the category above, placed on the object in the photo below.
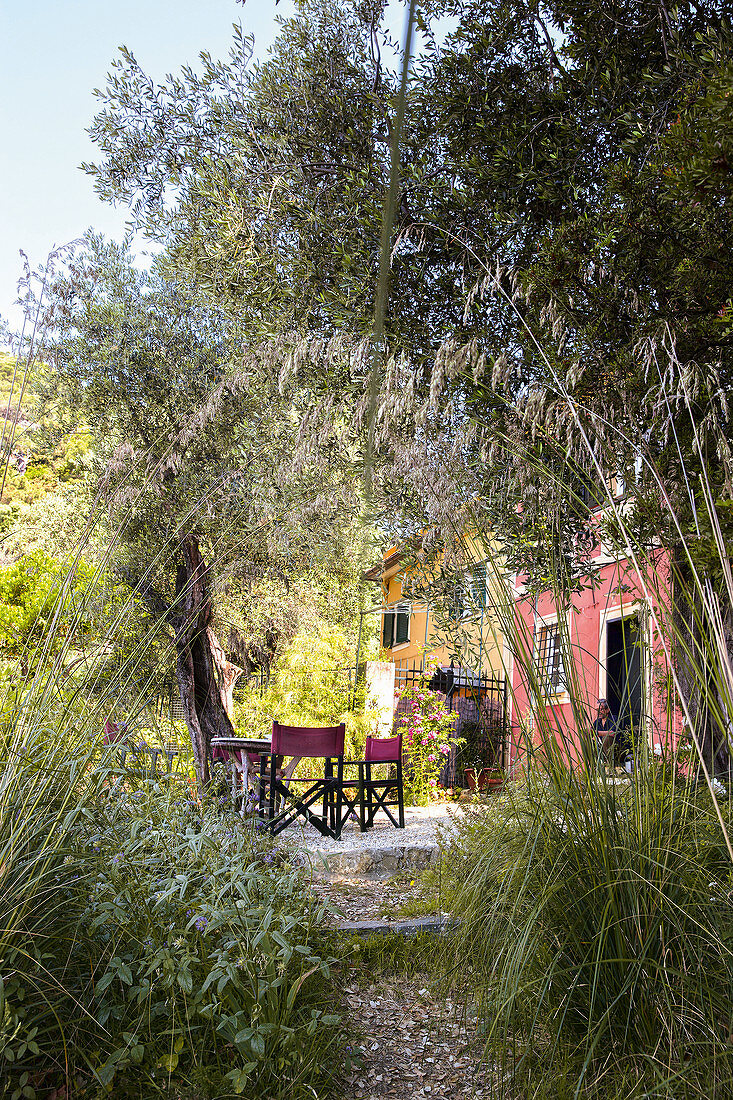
pixel 491 779
pixel 479 777
pixel 477 759
pixel 473 775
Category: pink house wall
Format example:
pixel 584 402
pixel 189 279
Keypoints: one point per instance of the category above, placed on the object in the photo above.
pixel 620 592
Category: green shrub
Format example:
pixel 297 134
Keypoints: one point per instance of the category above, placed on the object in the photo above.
pixel 204 964
pixel 40 602
pixel 75 454
pixel 8 515
pixel 38 470
pixel 146 946
pixel 309 687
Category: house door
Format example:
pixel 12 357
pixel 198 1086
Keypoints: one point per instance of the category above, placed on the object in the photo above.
pixel 624 673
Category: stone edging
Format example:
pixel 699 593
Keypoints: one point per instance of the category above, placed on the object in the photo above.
pixel 371 861
pixel 437 924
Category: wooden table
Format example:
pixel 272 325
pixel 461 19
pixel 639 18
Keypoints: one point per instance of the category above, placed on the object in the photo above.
pixel 238 747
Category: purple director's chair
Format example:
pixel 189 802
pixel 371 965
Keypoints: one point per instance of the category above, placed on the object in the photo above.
pixel 280 806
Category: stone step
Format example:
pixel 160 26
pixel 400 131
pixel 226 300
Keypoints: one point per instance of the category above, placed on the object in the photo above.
pixel 436 924
pixel 374 862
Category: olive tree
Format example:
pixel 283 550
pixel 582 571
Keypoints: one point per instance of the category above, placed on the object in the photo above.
pixel 198 458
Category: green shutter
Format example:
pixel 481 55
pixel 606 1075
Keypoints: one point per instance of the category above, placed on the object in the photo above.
pixel 388 630
pixel 403 627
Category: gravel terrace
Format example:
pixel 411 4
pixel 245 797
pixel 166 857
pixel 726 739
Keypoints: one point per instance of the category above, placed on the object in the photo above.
pixel 381 851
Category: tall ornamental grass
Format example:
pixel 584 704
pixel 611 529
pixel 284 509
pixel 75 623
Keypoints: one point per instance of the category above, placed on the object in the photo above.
pixel 596 918
pixel 595 922
pixel 47 784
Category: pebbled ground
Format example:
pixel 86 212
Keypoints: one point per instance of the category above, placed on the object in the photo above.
pixel 413 1044
pixel 412 1041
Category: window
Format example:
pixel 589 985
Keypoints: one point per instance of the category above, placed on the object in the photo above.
pixel 589 490
pixel 396 627
pixel 469 595
pixel 550 665
pixel 621 487
pixel 476 583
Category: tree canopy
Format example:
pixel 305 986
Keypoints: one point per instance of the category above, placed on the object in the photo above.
pixel 560 283
pixel 564 171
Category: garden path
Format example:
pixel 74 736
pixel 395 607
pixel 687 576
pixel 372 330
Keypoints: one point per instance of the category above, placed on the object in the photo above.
pixel 413 1041
pixel 413 1044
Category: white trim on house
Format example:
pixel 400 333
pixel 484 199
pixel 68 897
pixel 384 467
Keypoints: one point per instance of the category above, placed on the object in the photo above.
pixel 507 660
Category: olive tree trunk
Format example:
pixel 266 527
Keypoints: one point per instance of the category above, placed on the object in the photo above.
pixel 205 677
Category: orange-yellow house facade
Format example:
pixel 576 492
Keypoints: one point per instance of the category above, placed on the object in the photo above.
pixel 410 636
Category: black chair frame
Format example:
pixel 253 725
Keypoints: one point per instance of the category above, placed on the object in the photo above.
pixel 327 791
pixel 375 794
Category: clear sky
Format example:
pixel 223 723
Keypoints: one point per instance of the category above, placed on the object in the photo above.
pixel 53 53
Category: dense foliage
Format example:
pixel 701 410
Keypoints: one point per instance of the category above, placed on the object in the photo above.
pixel 145 944
pixel 311 684
pixel 558 276
pixel 37 591
pixel 203 965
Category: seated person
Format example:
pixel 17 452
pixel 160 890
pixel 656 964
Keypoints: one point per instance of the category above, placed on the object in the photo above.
pixel 605 728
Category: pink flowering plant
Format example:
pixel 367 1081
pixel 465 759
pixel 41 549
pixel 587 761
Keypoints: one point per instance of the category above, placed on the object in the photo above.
pixel 427 729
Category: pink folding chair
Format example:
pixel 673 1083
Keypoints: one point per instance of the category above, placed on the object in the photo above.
pixel 382 792
pixel 280 806
pixel 114 732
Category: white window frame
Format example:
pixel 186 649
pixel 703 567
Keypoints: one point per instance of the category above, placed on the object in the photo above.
pixel 469 590
pixel 561 695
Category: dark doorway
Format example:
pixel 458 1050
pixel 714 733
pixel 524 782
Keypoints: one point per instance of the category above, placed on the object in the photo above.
pixel 624 687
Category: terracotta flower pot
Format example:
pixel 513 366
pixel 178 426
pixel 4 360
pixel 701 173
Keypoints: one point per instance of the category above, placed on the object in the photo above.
pixel 492 778
pixel 488 779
